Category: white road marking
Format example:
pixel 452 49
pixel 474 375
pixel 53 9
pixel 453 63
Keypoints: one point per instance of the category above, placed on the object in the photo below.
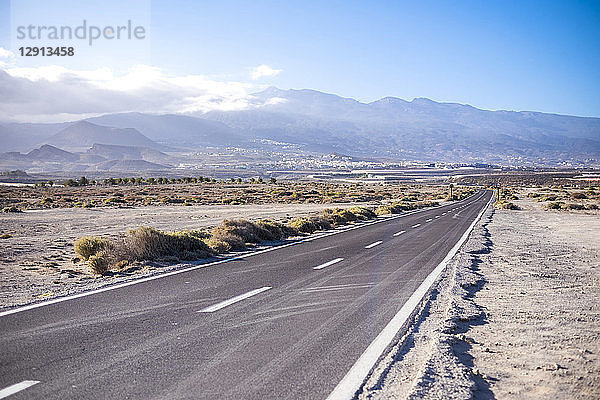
pixel 377 243
pixel 399 233
pixel 223 304
pixel 416 225
pixel 17 387
pixel 428 220
pixel 437 216
pixel 341 287
pixel 355 377
pixel 328 263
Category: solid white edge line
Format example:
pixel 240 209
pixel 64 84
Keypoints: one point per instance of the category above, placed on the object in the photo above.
pixel 354 378
pixel 233 300
pixel 328 263
pixel 370 246
pixel 398 233
pixel 183 270
pixel 17 387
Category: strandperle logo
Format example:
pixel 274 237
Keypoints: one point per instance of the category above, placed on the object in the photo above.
pixel 89 33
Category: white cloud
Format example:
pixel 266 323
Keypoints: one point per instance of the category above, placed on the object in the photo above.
pixel 7 57
pixel 262 71
pixel 52 93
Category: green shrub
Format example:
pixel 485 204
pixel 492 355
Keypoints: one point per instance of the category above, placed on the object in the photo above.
pixel 87 246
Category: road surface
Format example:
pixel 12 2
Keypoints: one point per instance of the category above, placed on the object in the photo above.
pixel 286 323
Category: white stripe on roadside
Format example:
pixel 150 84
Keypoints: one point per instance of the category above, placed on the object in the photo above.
pixel 370 246
pixel 416 225
pixel 223 304
pixel 328 263
pixel 17 387
pixel 399 233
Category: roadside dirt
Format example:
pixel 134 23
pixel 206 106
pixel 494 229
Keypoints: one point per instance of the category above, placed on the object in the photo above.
pixel 516 315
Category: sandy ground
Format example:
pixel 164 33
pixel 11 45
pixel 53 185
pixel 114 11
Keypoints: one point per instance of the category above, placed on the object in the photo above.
pixel 516 315
pixel 36 262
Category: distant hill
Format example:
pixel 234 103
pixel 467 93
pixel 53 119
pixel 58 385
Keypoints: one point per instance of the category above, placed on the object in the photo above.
pixel 315 122
pixel 127 166
pixel 48 158
pixel 23 137
pixel 115 152
pixel 174 130
pixel 51 153
pixel 421 129
pixel 83 134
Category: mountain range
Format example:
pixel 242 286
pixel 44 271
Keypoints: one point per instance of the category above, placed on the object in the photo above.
pixel 321 123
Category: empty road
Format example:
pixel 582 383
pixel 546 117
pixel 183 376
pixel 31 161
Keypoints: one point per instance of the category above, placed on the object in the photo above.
pixel 285 323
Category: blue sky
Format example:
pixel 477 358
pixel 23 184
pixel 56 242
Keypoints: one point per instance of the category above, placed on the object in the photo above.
pixel 536 55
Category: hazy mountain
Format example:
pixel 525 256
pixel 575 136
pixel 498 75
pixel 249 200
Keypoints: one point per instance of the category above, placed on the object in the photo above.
pixel 115 152
pixel 389 128
pixel 81 135
pixel 174 130
pixel 127 166
pixel 99 157
pixel 50 153
pixel 420 129
pixel 23 137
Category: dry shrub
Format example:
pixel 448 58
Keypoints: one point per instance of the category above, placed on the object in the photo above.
pixel 276 230
pixel 147 243
pixel 506 205
pixel 99 263
pixel 303 225
pixel 87 246
pixel 362 212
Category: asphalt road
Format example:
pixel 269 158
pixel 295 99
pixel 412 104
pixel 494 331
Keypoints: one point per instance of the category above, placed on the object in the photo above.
pixel 268 326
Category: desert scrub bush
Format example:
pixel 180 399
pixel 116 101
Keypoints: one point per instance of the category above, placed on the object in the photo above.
pixel 303 225
pixel 99 263
pixel 554 205
pixel 5 236
pixel 87 246
pixel 147 243
pixel 592 206
pixel 506 205
pixel 277 230
pixel 11 209
pixel 247 231
pixel 578 196
pixel 574 206
pixel 321 223
pixel 362 212
pixel 220 246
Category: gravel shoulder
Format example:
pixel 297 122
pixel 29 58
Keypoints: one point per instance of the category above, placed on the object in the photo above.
pixel 515 315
